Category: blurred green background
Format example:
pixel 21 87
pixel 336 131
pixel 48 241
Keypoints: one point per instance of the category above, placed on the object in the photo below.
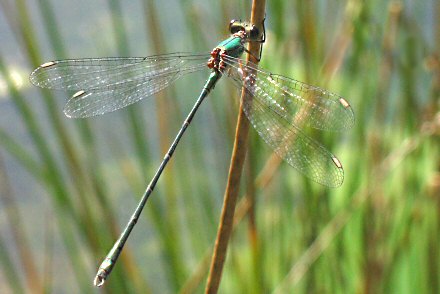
pixel 68 186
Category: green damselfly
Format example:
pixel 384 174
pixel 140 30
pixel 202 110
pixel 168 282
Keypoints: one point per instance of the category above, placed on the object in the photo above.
pixel 278 107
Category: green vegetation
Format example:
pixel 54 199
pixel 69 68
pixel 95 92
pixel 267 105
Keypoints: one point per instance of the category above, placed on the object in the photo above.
pixel 68 187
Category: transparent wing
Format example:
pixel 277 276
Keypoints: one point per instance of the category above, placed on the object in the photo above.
pixel 297 102
pixel 279 107
pixel 107 84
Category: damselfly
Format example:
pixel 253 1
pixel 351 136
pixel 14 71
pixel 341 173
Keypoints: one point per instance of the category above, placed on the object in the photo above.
pixel 278 107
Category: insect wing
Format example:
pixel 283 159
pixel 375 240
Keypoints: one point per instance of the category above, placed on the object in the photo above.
pixel 296 101
pixel 280 129
pixel 103 85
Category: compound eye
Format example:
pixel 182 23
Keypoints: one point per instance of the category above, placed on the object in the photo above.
pixel 254 33
pixel 235 26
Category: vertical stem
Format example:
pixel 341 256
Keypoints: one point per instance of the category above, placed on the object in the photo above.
pixel 235 169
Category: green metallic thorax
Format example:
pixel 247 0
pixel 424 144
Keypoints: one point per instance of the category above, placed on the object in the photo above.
pixel 233 46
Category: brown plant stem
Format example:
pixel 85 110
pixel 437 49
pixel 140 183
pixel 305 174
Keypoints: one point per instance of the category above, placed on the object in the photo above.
pixel 235 170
